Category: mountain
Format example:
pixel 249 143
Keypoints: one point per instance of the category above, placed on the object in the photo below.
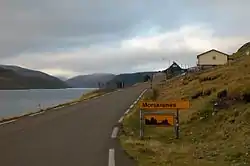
pixel 128 79
pixel 62 78
pixel 15 77
pixel 89 81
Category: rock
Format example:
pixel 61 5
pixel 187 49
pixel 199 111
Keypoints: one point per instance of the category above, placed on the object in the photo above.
pixel 222 94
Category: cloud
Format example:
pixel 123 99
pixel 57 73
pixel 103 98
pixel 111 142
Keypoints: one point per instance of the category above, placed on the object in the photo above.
pixel 152 52
pixel 81 36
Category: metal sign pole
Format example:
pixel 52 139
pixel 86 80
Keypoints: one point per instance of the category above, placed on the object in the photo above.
pixel 177 125
pixel 141 125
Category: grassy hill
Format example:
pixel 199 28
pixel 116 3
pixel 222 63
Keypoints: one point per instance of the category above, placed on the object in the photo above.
pixel 128 79
pixel 14 77
pixel 208 136
pixel 108 80
pixel 89 81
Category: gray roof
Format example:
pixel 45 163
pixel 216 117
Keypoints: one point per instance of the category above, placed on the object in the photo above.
pixel 211 51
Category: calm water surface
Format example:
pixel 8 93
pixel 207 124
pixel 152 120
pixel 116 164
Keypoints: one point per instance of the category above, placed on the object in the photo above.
pixel 17 102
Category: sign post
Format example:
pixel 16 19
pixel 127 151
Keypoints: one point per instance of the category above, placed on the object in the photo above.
pixel 160 114
pixel 177 125
pixel 141 125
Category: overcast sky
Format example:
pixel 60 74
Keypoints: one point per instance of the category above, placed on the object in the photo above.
pixel 71 37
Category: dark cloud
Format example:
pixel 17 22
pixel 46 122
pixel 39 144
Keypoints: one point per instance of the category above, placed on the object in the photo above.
pixel 29 25
pixel 62 26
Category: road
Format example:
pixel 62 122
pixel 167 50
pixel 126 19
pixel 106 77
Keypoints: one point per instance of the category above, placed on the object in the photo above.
pixel 78 135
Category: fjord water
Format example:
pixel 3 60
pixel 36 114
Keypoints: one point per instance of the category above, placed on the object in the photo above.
pixel 17 102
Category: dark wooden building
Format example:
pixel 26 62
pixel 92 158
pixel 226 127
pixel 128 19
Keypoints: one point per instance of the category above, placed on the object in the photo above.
pixel 174 70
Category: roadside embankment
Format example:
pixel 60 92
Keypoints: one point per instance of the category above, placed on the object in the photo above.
pixel 214 131
pixel 86 96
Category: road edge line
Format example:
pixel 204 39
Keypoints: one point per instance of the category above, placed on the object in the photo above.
pixel 115 132
pixel 7 122
pixel 35 114
pixel 121 119
pixel 132 105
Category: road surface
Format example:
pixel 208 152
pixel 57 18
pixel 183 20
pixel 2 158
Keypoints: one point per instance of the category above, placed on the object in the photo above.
pixel 79 135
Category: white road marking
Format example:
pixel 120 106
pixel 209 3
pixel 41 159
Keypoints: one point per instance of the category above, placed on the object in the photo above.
pixel 127 111
pixel 58 107
pixel 115 132
pixel 10 121
pixel 137 100
pixel 37 113
pixel 121 119
pixel 111 157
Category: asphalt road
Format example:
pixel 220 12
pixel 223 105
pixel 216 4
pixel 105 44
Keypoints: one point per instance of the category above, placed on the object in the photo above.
pixel 79 135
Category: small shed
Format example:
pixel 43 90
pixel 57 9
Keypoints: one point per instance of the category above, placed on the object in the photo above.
pixel 174 70
pixel 212 58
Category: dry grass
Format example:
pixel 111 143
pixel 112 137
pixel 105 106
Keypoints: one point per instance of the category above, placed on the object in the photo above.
pixel 94 93
pixel 206 139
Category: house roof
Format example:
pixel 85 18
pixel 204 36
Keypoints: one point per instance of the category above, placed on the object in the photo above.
pixel 211 51
pixel 173 67
pixel 173 64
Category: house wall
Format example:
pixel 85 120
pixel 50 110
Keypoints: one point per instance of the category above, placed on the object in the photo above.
pixel 207 59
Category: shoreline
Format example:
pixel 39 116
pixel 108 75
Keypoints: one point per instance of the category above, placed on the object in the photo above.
pixel 44 89
pixel 83 97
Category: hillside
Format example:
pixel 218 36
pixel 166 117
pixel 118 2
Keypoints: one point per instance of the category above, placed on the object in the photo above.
pixel 89 81
pixel 14 77
pixel 128 79
pixel 210 135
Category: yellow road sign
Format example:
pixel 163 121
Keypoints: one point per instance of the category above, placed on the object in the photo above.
pixel 159 120
pixel 174 104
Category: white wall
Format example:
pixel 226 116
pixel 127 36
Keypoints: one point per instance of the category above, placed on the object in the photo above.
pixel 207 59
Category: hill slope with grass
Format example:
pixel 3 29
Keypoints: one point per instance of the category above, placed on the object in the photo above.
pixel 90 81
pixel 129 79
pixel 214 131
pixel 14 77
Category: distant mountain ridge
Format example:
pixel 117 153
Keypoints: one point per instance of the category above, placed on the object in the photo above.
pixel 15 77
pixel 129 79
pixel 108 80
pixel 89 81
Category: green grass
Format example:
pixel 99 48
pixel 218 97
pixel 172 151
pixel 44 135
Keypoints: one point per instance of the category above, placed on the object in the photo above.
pixel 95 93
pixel 220 140
pixel 206 139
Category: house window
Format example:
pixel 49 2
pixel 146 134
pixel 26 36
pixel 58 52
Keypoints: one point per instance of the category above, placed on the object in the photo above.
pixel 214 57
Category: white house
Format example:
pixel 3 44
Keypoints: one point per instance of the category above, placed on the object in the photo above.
pixel 212 58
